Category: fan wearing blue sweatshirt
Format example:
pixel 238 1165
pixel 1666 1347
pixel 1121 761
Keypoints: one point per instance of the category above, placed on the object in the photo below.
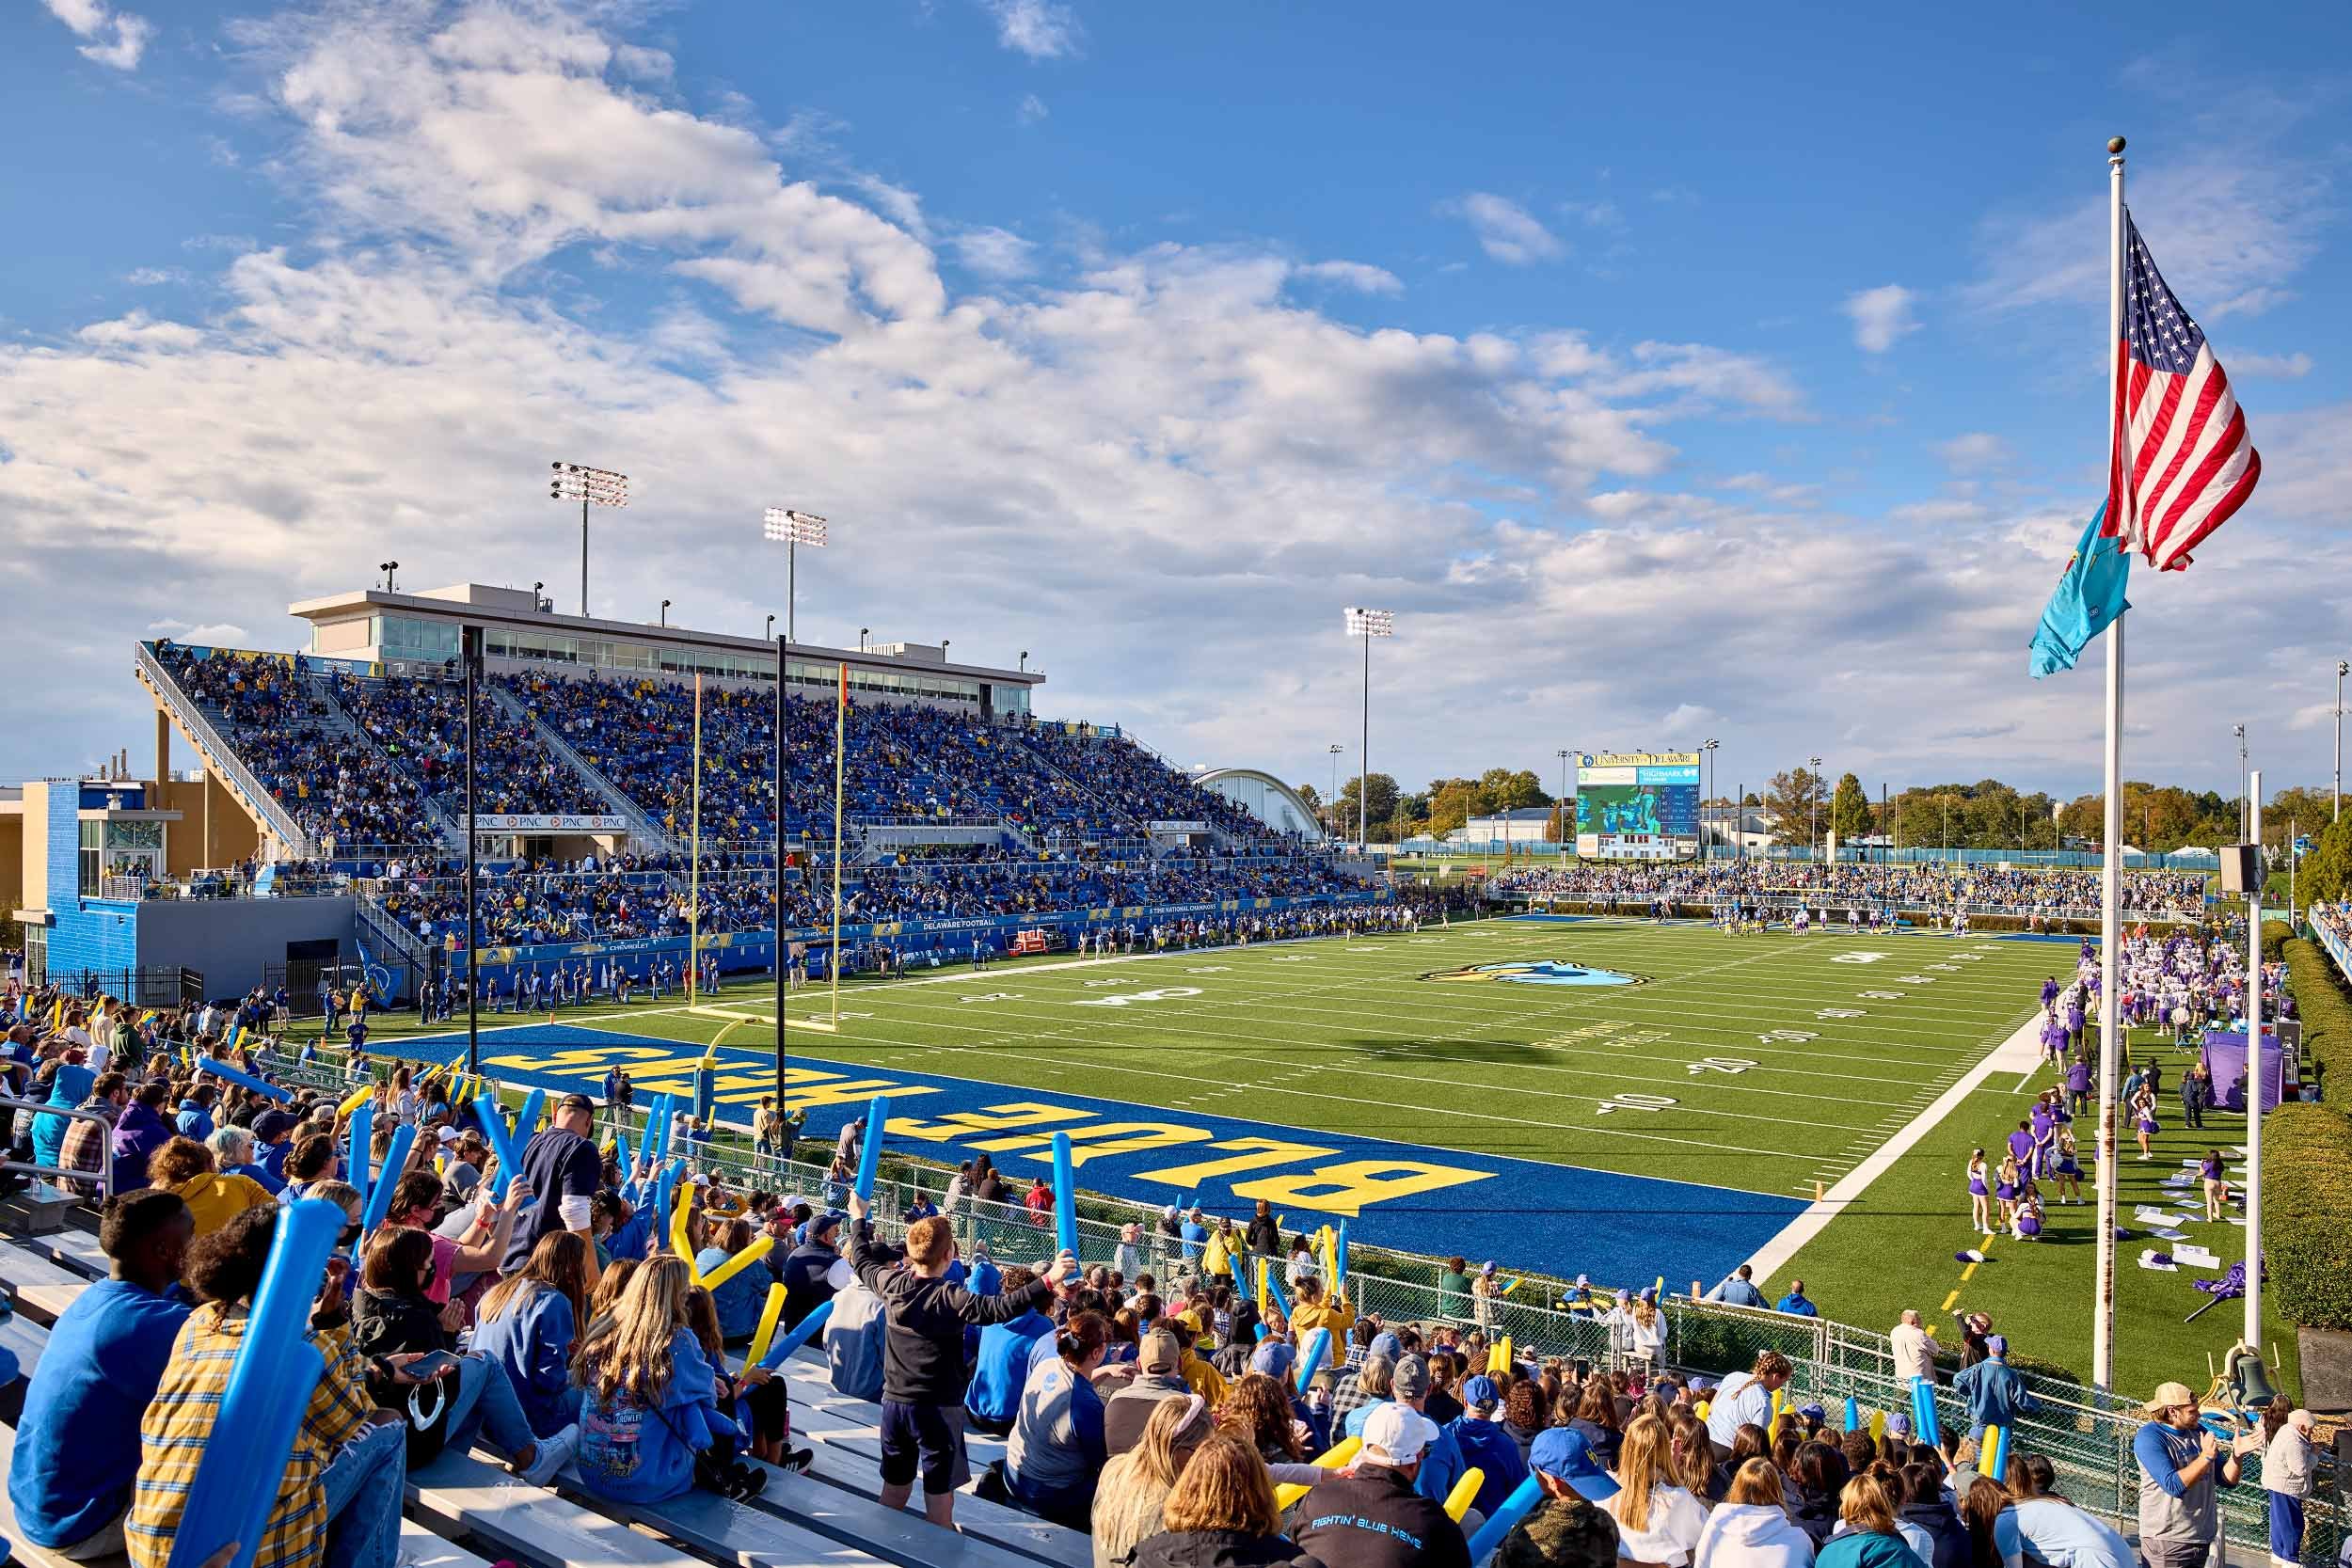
pixel 77 1443
pixel 1486 1447
pixel 1003 1364
pixel 528 1323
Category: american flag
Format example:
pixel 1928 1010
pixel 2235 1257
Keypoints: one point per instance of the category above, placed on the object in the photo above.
pixel 2182 463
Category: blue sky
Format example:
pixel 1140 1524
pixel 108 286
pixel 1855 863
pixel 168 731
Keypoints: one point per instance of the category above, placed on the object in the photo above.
pixel 1735 375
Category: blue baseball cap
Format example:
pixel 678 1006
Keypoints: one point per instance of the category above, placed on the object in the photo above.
pixel 1273 1357
pixel 1564 1454
pixel 1479 1392
pixel 1387 1344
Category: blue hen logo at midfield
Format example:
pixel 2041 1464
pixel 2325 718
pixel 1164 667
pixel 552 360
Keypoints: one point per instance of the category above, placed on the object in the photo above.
pixel 1546 972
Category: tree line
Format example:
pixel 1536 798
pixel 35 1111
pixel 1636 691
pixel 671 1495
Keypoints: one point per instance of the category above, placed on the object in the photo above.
pixel 1805 805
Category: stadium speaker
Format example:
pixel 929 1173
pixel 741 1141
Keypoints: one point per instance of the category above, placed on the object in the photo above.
pixel 2241 867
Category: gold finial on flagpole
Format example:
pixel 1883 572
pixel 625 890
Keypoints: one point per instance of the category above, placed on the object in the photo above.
pixel 2115 144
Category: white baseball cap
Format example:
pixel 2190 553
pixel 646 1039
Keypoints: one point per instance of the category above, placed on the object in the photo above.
pixel 1397 1434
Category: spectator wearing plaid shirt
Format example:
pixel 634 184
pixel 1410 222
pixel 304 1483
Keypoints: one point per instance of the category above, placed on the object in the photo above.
pixel 339 1501
pixel 85 1145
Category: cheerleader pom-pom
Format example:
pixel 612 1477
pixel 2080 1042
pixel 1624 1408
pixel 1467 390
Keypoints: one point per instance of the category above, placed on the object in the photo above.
pixel 1971 1256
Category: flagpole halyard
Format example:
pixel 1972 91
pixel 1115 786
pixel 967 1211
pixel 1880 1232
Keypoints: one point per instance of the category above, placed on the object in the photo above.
pixel 2111 862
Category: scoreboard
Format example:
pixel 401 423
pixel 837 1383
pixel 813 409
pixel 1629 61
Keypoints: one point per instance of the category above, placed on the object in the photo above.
pixel 1637 806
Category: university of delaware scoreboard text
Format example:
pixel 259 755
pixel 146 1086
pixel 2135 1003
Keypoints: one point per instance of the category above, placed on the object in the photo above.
pixel 1619 1229
pixel 1637 806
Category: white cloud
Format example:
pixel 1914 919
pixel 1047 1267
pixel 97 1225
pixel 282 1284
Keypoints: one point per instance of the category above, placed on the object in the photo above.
pixel 150 277
pixel 116 38
pixel 995 252
pixel 1361 276
pixel 1031 109
pixel 1038 29
pixel 393 377
pixel 2279 367
pixel 1972 451
pixel 2227 227
pixel 1506 230
pixel 1880 316
pixel 211 634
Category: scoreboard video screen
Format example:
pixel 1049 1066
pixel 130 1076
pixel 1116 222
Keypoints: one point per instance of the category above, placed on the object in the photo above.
pixel 1637 806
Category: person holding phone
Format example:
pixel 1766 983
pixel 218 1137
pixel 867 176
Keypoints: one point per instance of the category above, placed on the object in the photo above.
pixel 447 1398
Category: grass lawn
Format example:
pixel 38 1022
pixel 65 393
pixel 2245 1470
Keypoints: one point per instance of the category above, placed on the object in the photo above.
pixel 1746 1069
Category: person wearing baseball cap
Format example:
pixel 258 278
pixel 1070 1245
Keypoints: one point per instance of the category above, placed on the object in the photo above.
pixel 1486 1447
pixel 562 1170
pixel 2178 1516
pixel 1994 1393
pixel 1158 1357
pixel 1370 1516
pixel 1568 1528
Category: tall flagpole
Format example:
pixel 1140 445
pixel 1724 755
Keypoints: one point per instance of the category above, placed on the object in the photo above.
pixel 2254 1066
pixel 2111 862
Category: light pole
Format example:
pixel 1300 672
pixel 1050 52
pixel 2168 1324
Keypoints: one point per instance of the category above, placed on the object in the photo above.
pixel 861 638
pixel 792 529
pixel 1024 666
pixel 943 650
pixel 2342 667
pixel 1709 748
pixel 1813 811
pixel 469 650
pixel 770 634
pixel 388 568
pixel 1562 813
pixel 1367 623
pixel 537 601
pixel 572 481
pixel 665 612
pixel 1332 802
pixel 2239 730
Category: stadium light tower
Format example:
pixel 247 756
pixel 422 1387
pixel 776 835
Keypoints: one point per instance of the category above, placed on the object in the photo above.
pixel 2239 730
pixel 1813 811
pixel 790 528
pixel 1331 801
pixel 1560 815
pixel 1707 747
pixel 2343 669
pixel 573 482
pixel 1367 623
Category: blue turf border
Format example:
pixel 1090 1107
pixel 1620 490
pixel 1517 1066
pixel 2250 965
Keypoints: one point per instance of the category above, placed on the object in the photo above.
pixel 1526 1213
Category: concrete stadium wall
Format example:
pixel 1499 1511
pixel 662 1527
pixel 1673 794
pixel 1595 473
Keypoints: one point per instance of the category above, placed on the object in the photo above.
pixel 229 940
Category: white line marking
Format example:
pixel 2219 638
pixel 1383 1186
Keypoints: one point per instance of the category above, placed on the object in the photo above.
pixel 1774 1255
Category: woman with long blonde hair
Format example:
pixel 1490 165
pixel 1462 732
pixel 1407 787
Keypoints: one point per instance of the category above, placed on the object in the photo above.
pixel 1658 1519
pixel 530 1322
pixel 1221 1510
pixel 650 1418
pixel 1133 1487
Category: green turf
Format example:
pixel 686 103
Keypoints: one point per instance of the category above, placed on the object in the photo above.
pixel 1348 1036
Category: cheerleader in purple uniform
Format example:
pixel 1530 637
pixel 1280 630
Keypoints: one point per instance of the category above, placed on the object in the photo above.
pixel 2012 1181
pixel 2144 1113
pixel 1979 1195
pixel 2069 1168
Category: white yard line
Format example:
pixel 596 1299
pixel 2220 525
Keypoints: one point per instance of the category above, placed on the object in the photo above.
pixel 2021 1048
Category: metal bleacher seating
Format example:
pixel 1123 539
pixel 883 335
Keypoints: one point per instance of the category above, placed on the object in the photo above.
pixel 466 1510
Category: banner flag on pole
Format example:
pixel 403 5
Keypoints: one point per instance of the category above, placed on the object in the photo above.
pixel 2181 461
pixel 2088 597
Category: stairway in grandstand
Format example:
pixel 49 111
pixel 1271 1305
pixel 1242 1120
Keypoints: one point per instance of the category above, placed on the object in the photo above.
pixel 642 826
pixel 196 724
pixel 340 721
pixel 466 1509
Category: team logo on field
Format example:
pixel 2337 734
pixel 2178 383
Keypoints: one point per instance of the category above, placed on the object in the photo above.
pixel 1546 971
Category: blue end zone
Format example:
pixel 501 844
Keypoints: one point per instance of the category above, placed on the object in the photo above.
pixel 1562 1219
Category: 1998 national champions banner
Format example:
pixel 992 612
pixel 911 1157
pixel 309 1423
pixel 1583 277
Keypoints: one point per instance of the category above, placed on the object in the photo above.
pixel 1637 806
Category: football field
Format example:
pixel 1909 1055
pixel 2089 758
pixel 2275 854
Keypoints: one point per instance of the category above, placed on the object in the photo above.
pixel 1567 1095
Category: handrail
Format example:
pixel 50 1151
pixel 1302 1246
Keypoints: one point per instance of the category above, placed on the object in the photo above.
pixel 66 1173
pixel 640 822
pixel 199 729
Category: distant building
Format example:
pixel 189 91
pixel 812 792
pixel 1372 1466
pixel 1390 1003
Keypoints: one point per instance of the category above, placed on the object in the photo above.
pixel 1523 825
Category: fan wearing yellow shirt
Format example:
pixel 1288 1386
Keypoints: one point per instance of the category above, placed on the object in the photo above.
pixel 185 1167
